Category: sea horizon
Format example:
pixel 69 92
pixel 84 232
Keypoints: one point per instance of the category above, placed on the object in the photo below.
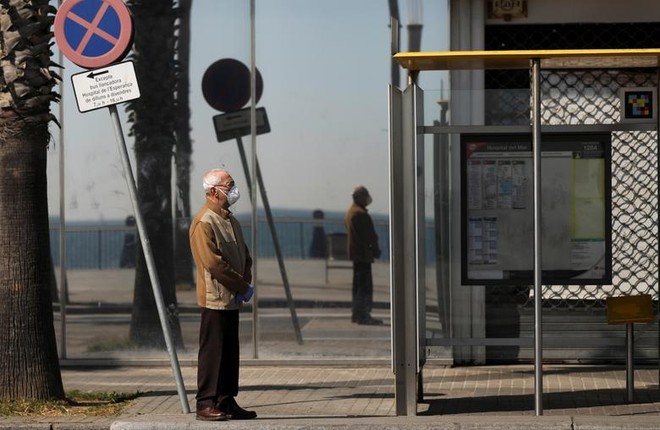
pixel 295 213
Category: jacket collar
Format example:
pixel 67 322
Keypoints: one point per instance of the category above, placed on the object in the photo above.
pixel 224 213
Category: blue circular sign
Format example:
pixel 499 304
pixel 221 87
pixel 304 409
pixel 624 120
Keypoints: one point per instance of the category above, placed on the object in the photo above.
pixel 93 33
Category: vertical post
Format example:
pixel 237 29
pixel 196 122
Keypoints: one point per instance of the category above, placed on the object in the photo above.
pixel 538 322
pixel 253 193
pixel 403 246
pixel 62 232
pixel 99 247
pixel 302 243
pixel 657 157
pixel 395 40
pixel 441 218
pixel 630 363
pixel 149 259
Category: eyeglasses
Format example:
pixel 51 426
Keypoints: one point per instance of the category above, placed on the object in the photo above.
pixel 224 187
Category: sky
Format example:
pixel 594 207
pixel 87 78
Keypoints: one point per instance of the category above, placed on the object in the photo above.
pixel 326 69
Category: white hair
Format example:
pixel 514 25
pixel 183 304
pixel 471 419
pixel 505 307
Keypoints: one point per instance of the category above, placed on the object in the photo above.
pixel 213 178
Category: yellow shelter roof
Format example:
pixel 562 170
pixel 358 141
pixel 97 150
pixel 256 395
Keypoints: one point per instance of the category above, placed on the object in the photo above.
pixel 521 59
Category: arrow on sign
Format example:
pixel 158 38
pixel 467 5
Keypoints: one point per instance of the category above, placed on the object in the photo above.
pixel 94 74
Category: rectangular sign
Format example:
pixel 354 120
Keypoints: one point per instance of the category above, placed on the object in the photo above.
pixel 497 207
pixel 232 125
pixel 630 309
pixel 638 105
pixel 107 86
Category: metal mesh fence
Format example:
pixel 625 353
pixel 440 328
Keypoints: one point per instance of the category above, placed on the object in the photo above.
pixel 591 97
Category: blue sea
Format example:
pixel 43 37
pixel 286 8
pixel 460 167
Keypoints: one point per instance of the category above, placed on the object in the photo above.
pixel 99 245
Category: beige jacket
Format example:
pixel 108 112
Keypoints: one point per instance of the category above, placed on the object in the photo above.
pixel 221 257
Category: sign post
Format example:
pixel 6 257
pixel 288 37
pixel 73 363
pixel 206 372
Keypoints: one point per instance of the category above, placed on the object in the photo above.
pixel 96 34
pixel 225 88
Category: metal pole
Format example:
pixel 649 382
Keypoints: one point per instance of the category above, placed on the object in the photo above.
pixel 538 323
pixel 99 247
pixel 62 232
pixel 149 258
pixel 657 146
pixel 404 253
pixel 276 242
pixel 630 363
pixel 253 198
pixel 396 39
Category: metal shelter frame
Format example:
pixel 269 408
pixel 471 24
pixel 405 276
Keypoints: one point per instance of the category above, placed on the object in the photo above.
pixel 406 123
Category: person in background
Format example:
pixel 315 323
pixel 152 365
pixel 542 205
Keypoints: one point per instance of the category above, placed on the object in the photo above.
pixel 317 249
pixel 362 250
pixel 127 259
pixel 223 283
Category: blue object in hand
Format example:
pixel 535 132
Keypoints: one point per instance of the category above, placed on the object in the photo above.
pixel 245 297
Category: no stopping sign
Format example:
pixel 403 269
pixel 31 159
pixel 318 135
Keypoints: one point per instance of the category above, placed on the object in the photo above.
pixel 93 33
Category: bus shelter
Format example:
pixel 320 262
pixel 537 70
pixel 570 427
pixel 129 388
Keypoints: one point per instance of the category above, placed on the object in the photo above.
pixel 580 149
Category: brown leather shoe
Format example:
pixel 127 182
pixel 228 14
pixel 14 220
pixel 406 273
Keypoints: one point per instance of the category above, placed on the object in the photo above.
pixel 210 414
pixel 235 412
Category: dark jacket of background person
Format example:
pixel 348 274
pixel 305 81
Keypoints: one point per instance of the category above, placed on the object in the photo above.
pixel 362 238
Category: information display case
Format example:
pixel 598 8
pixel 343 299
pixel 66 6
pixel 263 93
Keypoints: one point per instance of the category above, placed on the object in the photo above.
pixel 497 209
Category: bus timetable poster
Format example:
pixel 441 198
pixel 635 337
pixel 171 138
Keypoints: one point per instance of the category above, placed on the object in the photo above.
pixel 497 209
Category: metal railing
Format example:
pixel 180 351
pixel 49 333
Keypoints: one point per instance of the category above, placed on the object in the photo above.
pixel 100 246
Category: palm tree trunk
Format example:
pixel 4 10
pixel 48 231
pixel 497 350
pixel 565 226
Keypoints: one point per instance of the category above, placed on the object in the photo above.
pixel 29 366
pixel 153 116
pixel 182 256
pixel 155 172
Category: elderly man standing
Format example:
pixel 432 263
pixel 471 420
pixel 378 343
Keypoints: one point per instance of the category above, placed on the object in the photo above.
pixel 362 249
pixel 223 283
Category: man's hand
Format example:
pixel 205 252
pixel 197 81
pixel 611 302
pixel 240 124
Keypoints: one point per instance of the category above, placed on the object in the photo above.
pixel 245 297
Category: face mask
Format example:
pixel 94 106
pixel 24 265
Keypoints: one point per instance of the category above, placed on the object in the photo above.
pixel 233 195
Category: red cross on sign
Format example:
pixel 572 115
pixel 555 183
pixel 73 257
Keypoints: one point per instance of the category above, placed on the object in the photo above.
pixel 93 33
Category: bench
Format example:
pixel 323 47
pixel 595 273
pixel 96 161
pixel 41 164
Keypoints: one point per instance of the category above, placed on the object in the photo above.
pixel 337 253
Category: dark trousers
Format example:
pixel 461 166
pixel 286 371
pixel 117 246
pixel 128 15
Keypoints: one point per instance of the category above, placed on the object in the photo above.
pixel 218 358
pixel 363 290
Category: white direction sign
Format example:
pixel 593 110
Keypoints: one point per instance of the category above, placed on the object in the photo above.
pixel 106 86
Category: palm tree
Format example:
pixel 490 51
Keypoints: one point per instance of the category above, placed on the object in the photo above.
pixel 29 366
pixel 152 119
pixel 182 256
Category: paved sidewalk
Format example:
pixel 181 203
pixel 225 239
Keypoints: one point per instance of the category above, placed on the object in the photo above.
pixel 290 396
pixel 341 377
